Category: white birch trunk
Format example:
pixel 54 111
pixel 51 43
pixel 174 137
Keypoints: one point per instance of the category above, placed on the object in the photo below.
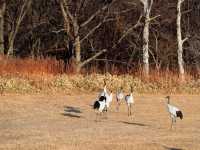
pixel 146 46
pixel 147 9
pixel 180 42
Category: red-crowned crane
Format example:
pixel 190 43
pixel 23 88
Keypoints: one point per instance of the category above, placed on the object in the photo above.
pixel 100 105
pixel 108 97
pixel 119 97
pixel 129 101
pixel 174 112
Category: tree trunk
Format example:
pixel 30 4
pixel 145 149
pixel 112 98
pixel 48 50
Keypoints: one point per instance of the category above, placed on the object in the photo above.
pixel 2 11
pixel 180 42
pixel 11 48
pixel 78 53
pixel 146 46
pixel 147 4
pixel 24 8
pixel 197 67
pixel 77 45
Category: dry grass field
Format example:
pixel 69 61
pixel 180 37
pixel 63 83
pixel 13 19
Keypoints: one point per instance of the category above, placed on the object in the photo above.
pixel 67 122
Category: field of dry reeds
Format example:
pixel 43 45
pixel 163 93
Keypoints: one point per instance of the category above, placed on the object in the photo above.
pixel 46 75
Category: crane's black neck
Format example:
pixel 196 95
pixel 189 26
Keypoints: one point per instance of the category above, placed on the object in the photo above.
pixel 168 99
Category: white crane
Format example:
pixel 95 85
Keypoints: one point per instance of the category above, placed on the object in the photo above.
pixel 174 112
pixel 100 105
pixel 129 101
pixel 108 96
pixel 119 97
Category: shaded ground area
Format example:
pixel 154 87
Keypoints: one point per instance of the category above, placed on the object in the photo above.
pixel 61 122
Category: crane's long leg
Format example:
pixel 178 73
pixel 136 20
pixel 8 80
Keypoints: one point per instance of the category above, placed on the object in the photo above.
pixel 96 116
pixel 105 114
pixel 105 111
pixel 130 110
pixel 172 123
pixel 118 105
pixel 175 123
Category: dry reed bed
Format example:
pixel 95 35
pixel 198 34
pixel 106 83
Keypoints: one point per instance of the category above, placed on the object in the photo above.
pixel 47 75
pixel 94 82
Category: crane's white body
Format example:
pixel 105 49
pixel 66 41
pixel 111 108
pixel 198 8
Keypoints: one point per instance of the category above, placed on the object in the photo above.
pixel 129 99
pixel 102 106
pixel 172 111
pixel 108 99
pixel 119 96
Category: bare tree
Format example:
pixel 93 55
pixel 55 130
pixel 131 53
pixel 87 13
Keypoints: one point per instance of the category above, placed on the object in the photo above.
pixel 15 28
pixel 147 9
pixel 2 12
pixel 72 27
pixel 180 41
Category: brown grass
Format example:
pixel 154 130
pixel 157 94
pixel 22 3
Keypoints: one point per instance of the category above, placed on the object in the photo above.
pixel 39 122
pixel 29 66
pixel 47 75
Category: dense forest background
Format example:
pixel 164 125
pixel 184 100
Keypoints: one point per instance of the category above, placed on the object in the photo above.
pixel 110 32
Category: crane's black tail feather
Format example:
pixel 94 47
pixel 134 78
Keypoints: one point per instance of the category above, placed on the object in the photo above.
pixel 179 114
pixel 96 105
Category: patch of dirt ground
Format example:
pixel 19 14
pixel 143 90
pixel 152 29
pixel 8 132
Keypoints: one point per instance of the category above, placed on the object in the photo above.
pixel 68 122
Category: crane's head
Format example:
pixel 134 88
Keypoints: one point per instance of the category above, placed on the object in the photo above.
pixel 104 81
pixel 111 94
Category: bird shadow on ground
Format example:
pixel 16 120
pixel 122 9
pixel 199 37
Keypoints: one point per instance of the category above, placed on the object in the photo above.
pixel 71 115
pixel 71 111
pixel 134 123
pixel 172 148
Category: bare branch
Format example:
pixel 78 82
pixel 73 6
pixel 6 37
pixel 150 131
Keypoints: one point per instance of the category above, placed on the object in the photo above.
pixel 128 31
pixel 95 14
pixel 92 58
pixel 95 28
pixel 182 1
pixel 184 40
pixel 150 6
pixel 58 31
pixel 65 16
pixel 123 11
pixel 145 5
pixel 187 11
pixel 64 3
pixel 153 18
